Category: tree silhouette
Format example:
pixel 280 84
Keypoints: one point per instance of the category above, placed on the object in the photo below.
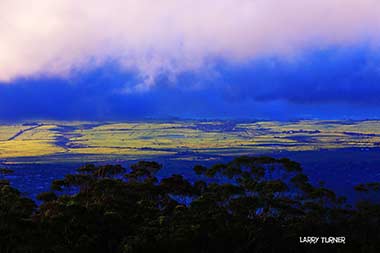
pixel 251 204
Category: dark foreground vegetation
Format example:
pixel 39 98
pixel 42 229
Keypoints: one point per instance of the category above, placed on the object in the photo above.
pixel 252 204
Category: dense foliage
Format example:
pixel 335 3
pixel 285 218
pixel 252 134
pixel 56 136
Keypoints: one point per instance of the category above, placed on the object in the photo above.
pixel 252 204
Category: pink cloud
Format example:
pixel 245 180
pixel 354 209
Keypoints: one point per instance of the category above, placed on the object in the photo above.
pixel 152 37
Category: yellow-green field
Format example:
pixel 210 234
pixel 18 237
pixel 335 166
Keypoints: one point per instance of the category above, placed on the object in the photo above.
pixel 192 138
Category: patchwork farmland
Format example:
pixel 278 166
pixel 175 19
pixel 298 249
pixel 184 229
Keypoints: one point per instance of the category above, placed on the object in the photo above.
pixel 184 140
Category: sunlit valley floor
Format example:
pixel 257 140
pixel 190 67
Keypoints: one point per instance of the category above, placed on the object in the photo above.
pixel 341 153
pixel 185 140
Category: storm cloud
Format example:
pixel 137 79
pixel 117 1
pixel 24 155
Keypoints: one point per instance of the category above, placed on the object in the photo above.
pixel 48 38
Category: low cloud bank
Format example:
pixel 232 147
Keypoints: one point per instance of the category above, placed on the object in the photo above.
pixel 168 37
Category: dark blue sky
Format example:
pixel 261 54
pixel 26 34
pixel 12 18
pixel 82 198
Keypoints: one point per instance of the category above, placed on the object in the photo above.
pixel 337 83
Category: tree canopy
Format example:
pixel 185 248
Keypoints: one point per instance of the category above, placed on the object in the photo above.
pixel 251 204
